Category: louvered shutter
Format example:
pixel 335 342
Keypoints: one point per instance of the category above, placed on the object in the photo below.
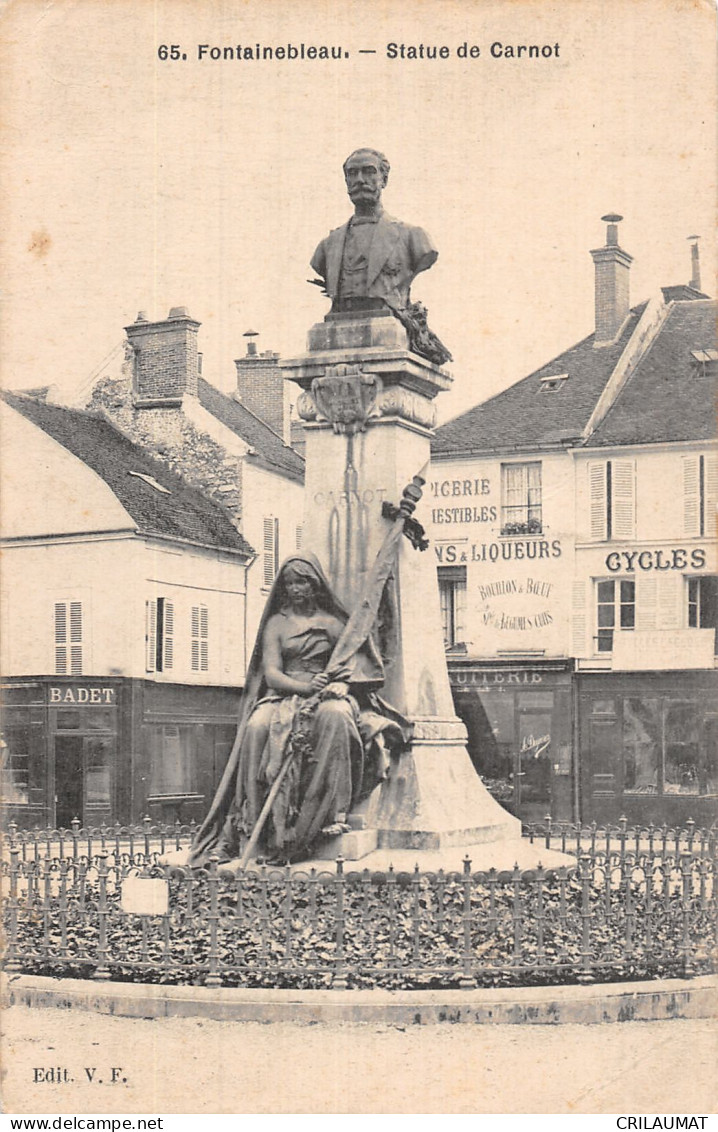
pixel 150 635
pixel 271 550
pixel 597 499
pixel 298 538
pixel 578 619
pixel 203 638
pixel 710 495
pixel 623 490
pixel 76 638
pixel 60 638
pixel 460 611
pixel 195 639
pixel 670 593
pixel 168 629
pixel 691 496
pixel 647 602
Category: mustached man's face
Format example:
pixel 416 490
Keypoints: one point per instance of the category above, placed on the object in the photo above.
pixel 364 178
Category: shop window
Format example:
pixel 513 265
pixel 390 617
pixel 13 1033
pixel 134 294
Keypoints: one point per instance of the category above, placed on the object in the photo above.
pixel 612 499
pixel 452 597
pixel 159 634
pixel 200 638
pixel 682 772
pixel 615 610
pixel 15 753
pixel 98 771
pixel 68 720
pixel 521 499
pixel 68 638
pixel 270 552
pixel 642 729
pixel 172 762
pixel 703 603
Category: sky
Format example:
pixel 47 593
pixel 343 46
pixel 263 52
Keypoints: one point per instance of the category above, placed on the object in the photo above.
pixel 132 183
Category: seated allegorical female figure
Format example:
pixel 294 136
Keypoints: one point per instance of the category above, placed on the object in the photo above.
pixel 330 725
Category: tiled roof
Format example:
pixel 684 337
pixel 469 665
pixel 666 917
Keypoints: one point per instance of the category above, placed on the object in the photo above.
pixel 180 511
pixel 669 396
pixel 269 447
pixel 523 416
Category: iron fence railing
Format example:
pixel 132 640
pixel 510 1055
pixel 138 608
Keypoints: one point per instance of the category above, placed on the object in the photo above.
pixel 619 839
pixel 633 904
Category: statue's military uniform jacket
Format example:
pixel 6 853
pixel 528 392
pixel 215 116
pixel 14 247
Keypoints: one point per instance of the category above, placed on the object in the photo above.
pixel 396 253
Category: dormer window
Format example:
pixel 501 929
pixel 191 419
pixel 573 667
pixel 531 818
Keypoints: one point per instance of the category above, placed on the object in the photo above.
pixel 552 382
pixel 705 360
pixel 151 482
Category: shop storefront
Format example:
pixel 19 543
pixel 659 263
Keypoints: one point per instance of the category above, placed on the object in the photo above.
pixel 108 750
pixel 520 734
pixel 649 746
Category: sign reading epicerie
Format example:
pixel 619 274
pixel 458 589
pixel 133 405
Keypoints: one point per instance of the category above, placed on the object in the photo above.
pixel 458 489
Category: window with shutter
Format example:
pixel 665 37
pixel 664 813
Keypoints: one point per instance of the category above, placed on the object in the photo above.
pixel 521 498
pixel 203 638
pixel 598 500
pixel 68 638
pixel 578 618
pixel 623 504
pixel 691 496
pixel 168 620
pixel 710 495
pixel 612 499
pixel 150 635
pixel 60 638
pixel 452 597
pixel 159 634
pixel 199 659
pixel 647 602
pixel 670 601
pixel 700 495
pixel 702 603
pixel 271 550
pixel 615 610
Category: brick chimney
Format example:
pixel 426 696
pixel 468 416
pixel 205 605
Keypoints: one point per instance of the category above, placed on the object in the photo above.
pixel 695 282
pixel 261 387
pixel 612 271
pixel 166 359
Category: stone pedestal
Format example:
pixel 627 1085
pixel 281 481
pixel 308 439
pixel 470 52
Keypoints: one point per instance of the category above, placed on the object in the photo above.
pixel 367 406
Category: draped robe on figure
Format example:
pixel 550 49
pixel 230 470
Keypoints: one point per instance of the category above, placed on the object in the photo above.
pixel 337 743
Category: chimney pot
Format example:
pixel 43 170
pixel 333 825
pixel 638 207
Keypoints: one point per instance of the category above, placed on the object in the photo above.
pixel 179 312
pixel 250 335
pixel 695 282
pixel 142 316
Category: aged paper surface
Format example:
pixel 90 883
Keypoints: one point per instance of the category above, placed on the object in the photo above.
pixel 136 182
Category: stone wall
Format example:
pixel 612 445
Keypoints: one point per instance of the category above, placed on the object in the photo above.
pixel 168 435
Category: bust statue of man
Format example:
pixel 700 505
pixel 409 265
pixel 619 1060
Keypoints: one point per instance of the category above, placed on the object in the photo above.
pixel 372 259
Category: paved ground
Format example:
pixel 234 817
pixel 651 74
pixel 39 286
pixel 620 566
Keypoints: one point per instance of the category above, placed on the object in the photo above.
pixel 190 1066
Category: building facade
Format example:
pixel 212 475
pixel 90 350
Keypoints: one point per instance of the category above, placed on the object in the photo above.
pixel 235 448
pixel 123 609
pixel 573 520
